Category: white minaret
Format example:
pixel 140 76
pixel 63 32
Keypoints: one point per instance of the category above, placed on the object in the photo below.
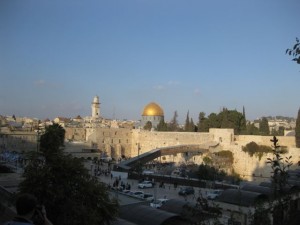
pixel 96 108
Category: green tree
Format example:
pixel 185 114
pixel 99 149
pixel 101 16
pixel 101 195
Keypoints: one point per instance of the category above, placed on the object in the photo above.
pixel 192 127
pixel 207 160
pixel 148 126
pixel 162 126
pixel 64 185
pixel 187 122
pixel 206 172
pixel 203 124
pixel 297 130
pixel 52 141
pixel 214 121
pixel 260 216
pixel 173 125
pixel 280 167
pixel 251 129
pixel 225 123
pixel 264 126
pixel 232 119
pixel 295 51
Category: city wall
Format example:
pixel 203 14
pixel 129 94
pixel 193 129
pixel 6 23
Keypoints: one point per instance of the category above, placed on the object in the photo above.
pixel 250 168
pixel 118 142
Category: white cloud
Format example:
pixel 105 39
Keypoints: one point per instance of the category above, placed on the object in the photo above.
pixel 44 84
pixel 159 87
pixel 173 83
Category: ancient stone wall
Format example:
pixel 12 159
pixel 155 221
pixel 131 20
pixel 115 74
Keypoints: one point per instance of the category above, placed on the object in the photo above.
pixel 287 141
pixel 143 141
pixel 116 142
pixel 75 134
pixel 18 141
pixel 250 168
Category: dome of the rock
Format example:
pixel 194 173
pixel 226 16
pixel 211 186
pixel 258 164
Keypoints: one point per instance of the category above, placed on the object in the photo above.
pixel 153 109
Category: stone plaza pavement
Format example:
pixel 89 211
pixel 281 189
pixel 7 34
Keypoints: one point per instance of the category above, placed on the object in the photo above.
pixel 168 191
pixel 11 181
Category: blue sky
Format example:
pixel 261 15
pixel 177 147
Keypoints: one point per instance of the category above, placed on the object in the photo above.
pixel 185 55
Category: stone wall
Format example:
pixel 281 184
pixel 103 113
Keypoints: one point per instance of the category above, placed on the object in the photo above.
pixel 143 141
pixel 250 168
pixel 288 141
pixel 75 134
pixel 18 141
pixel 116 142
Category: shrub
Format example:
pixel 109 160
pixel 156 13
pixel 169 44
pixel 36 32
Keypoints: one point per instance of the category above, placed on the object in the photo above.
pixel 259 150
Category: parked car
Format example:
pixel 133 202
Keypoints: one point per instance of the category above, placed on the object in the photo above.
pixel 145 184
pixel 147 172
pixel 138 194
pixel 186 191
pixel 158 203
pixel 214 194
pixel 148 197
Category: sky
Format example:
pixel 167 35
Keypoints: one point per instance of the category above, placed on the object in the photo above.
pixel 186 55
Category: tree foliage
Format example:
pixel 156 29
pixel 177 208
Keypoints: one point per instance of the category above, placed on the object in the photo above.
pixel 264 126
pixel 280 168
pixel 64 185
pixel 225 119
pixel 297 130
pixel 251 129
pixel 206 172
pixel 52 140
pixel 203 124
pixel 253 148
pixel 187 122
pixel 192 127
pixel 189 125
pixel 260 216
pixel 295 51
pixel 173 125
pixel 148 125
pixel 162 125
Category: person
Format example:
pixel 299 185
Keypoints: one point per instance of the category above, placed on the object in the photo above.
pixel 29 212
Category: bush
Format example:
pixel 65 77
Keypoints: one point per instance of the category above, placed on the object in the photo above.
pixel 253 148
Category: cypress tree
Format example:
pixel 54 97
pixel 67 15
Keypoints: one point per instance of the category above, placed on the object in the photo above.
pixel 264 126
pixel 203 124
pixel 187 122
pixel 173 126
pixel 192 127
pixel 162 126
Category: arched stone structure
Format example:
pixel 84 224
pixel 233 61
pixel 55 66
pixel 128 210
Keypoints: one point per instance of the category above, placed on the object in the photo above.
pixel 155 153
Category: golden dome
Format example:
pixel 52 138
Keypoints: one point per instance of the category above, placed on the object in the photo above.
pixel 153 109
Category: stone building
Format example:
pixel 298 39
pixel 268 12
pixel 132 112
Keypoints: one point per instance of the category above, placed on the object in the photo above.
pixel 152 113
pixel 96 108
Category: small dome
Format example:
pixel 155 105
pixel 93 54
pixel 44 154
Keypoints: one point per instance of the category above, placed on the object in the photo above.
pixel 153 109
